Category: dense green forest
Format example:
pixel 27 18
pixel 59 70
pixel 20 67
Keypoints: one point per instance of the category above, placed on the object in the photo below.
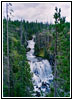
pixel 20 77
pixel 52 42
pixel 57 49
pixel 19 68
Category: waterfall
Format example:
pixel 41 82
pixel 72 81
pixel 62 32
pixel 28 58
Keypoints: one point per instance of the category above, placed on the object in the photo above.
pixel 41 69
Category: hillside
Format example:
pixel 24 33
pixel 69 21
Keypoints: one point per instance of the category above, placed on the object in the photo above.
pixel 36 58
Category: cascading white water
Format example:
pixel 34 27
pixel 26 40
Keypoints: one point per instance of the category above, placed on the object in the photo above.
pixel 41 69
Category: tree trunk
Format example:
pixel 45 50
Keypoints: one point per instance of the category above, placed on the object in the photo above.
pixel 8 53
pixel 55 67
pixel 25 38
pixel 21 32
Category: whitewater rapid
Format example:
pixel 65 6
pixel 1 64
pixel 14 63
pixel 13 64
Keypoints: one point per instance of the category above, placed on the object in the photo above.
pixel 41 69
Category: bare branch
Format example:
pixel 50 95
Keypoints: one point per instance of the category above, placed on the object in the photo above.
pixel 10 4
pixel 11 10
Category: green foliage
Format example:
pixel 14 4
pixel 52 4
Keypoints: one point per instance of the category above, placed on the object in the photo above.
pixel 63 54
pixel 41 53
pixel 5 90
pixel 36 50
pixel 51 94
pixel 21 76
pixel 20 73
pixel 45 53
pixel 33 28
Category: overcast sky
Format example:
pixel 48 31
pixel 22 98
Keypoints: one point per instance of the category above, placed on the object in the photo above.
pixel 42 12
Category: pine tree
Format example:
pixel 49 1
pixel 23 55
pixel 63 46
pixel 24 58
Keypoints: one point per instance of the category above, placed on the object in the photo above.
pixel 57 19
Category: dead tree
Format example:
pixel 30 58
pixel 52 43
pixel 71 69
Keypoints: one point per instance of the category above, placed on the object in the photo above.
pixel 8 52
pixel 8 66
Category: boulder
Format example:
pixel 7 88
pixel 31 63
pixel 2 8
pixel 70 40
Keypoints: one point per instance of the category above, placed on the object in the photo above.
pixel 28 49
pixel 37 94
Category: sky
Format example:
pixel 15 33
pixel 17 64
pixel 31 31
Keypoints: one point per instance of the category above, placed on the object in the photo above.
pixel 40 11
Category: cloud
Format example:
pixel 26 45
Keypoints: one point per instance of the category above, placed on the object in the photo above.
pixel 40 11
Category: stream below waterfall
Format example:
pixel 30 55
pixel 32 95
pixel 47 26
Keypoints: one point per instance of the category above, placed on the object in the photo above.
pixel 41 69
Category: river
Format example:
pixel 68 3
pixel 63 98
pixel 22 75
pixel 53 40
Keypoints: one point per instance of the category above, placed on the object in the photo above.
pixel 41 69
